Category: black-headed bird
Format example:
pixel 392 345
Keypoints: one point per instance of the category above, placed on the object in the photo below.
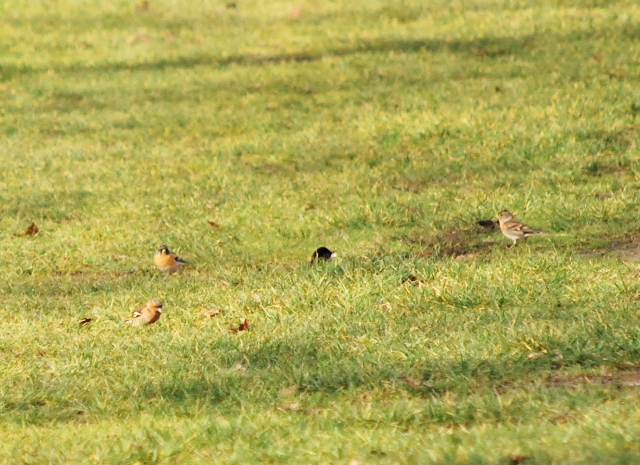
pixel 322 254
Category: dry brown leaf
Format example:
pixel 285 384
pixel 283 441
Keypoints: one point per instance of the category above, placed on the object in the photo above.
pixel 84 321
pixel 518 459
pixel 292 406
pixel 213 224
pixel 31 230
pixel 412 279
pixel 288 391
pixel 211 313
pixel 411 382
pixel 314 411
pixel 139 36
pixel 144 6
pixel 243 327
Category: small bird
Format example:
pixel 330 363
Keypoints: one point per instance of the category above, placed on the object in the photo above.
pixel 322 254
pixel 513 228
pixel 147 314
pixel 167 261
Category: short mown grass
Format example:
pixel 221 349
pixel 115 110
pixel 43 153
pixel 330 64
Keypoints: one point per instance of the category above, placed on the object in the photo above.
pixel 383 130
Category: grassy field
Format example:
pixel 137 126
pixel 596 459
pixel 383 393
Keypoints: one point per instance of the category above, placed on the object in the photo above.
pixel 382 129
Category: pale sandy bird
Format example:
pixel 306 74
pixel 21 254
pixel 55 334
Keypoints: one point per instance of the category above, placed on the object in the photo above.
pixel 167 261
pixel 147 314
pixel 513 228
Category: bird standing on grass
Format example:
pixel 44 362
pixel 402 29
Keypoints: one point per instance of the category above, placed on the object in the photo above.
pixel 513 228
pixel 167 261
pixel 322 254
pixel 147 314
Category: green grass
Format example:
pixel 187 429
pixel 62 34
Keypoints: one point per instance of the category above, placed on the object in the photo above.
pixel 383 130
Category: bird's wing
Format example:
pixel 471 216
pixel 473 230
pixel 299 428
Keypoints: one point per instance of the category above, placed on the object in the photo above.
pixel 528 230
pixel 138 312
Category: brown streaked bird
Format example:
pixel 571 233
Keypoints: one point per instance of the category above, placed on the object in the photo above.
pixel 513 228
pixel 147 314
pixel 167 261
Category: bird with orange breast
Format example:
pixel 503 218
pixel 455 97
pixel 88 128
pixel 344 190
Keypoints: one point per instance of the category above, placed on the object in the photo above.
pixel 147 314
pixel 167 261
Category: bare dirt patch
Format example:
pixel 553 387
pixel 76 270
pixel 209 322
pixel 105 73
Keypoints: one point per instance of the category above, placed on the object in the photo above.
pixel 460 243
pixel 622 378
pixel 626 248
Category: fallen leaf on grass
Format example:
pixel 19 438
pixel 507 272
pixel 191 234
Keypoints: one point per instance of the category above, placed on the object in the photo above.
pixel 212 313
pixel 413 279
pixel 288 391
pixel 31 230
pixel 466 256
pixel 144 6
pixel 84 321
pixel 292 406
pixel 518 459
pixel 411 382
pixel 559 419
pixel 213 224
pixel 314 411
pixel 138 37
pixel 243 327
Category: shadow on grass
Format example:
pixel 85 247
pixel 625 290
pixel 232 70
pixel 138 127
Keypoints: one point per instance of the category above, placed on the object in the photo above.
pixel 492 47
pixel 460 243
pixel 316 371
